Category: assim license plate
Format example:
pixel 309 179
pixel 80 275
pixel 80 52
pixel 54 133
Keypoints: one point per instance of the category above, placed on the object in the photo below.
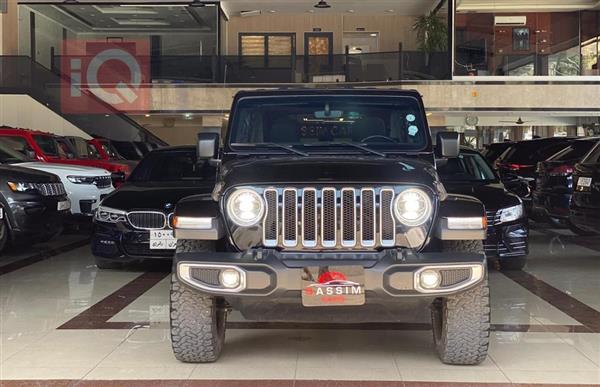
pixel 584 181
pixel 162 240
pixel 333 285
pixel 64 205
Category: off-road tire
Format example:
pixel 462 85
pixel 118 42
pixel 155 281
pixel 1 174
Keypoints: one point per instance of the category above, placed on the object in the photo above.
pixel 197 321
pixel 461 322
pixel 107 264
pixel 513 263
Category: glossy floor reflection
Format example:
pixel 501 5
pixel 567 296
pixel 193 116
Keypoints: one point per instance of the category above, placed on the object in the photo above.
pixel 61 318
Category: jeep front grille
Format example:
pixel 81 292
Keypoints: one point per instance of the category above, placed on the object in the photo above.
pixel 326 218
pixel 51 189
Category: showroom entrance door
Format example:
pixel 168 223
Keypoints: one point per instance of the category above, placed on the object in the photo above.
pixel 318 53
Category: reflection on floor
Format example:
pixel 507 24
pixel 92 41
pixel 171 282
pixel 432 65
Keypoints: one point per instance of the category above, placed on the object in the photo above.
pixel 63 319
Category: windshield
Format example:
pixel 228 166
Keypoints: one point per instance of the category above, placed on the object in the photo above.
pixel 530 152
pixel 466 167
pixel 594 156
pixel 110 150
pixel 11 156
pixel 172 166
pixel 47 144
pixel 395 123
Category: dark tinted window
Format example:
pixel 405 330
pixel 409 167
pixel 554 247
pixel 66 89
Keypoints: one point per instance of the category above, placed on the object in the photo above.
pixel 172 166
pixel 127 150
pixel 493 151
pixel 466 167
pixel 530 152
pixel 594 156
pixel 394 123
pixel 575 151
pixel 10 156
pixel 47 144
pixel 18 144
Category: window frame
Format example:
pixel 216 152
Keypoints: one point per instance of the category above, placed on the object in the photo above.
pixel 266 55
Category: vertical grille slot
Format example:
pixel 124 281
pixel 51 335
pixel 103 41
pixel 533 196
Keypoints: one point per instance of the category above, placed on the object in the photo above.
pixel 348 222
pixel 309 217
pixel 367 217
pixel 271 222
pixel 290 217
pixel 387 224
pixel 328 217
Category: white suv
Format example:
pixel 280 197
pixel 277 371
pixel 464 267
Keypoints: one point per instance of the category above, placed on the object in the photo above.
pixel 85 186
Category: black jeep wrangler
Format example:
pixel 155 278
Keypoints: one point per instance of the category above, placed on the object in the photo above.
pixel 328 207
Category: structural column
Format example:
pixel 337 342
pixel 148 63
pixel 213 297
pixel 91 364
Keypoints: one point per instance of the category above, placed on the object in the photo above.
pixel 8 27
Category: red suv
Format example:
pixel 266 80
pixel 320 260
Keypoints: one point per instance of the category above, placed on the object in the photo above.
pixel 98 149
pixel 49 148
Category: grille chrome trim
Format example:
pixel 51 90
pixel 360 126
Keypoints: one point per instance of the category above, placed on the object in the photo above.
pixel 330 239
pixel 312 208
pixel 388 214
pixel 271 219
pixel 291 213
pixel 365 213
pixel 139 226
pixel 348 215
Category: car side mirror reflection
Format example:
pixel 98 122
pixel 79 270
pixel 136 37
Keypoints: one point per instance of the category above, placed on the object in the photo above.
pixel 448 144
pixel 208 146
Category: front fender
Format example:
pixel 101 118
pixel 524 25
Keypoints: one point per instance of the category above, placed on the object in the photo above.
pixel 461 208
pixel 198 217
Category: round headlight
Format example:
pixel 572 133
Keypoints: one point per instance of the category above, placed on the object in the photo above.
pixel 412 207
pixel 245 207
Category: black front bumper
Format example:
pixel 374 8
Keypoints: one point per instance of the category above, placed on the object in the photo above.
pixel 507 240
pixel 122 243
pixel 272 275
pixel 36 216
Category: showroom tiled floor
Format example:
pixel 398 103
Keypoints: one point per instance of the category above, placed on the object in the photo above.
pixel 62 319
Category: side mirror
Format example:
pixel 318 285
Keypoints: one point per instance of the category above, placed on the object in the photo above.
pixel 448 144
pixel 208 146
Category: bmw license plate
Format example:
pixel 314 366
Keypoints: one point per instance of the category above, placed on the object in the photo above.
pixel 162 240
pixel 63 205
pixel 333 285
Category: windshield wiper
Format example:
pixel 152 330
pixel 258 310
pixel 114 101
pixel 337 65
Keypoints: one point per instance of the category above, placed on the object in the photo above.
pixel 350 144
pixel 288 148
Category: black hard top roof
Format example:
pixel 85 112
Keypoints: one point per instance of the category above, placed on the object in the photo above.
pixel 328 91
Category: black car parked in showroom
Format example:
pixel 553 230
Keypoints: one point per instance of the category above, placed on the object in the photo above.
pixel 328 207
pixel 554 183
pixel 33 204
pixel 134 222
pixel 585 202
pixel 508 229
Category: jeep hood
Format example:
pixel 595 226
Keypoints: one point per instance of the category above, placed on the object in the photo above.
pixel 327 170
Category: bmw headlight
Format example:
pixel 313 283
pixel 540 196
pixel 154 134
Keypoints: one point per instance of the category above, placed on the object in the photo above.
pixel 81 179
pixel 510 214
pixel 412 207
pixel 245 207
pixel 21 186
pixel 110 215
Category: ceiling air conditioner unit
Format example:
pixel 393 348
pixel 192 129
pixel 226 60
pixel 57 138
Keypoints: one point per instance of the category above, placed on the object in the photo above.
pixel 250 13
pixel 510 20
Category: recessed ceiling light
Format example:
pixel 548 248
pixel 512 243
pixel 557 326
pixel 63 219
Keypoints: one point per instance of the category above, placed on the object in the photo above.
pixel 272 11
pixel 390 11
pixel 188 116
pixel 322 4
pixel 146 115
pixel 373 34
pixel 311 11
pixel 350 11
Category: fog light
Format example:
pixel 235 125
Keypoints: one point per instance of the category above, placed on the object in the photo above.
pixel 230 278
pixel 430 279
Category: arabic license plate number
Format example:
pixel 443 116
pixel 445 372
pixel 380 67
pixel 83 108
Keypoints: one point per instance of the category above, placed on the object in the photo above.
pixel 64 205
pixel 162 240
pixel 333 286
pixel 584 181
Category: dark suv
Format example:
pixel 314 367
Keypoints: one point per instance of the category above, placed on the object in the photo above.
pixel 33 204
pixel 328 207
pixel 585 203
